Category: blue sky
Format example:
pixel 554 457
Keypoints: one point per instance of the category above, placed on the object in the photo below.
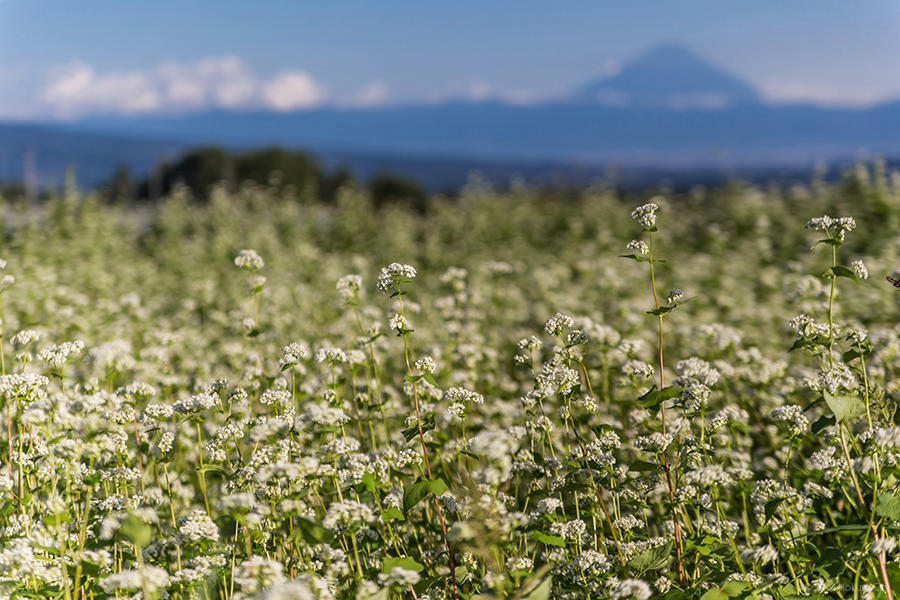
pixel 66 58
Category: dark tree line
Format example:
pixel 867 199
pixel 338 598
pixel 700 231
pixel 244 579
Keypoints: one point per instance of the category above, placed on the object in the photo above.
pixel 203 168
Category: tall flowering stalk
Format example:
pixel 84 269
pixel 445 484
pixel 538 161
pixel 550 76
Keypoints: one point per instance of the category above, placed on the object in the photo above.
pixel 390 280
pixel 838 384
pixel 645 215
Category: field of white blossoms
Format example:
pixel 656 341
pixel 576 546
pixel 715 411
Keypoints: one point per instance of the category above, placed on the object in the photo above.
pixel 516 395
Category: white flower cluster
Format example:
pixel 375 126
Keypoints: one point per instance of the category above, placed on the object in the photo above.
pixel 834 379
pixel 348 287
pixel 792 417
pixel 675 296
pixel 834 227
pixel 761 555
pixel 57 355
pixel 249 260
pixel 330 355
pixel 807 328
pixel 639 247
pixel 655 442
pixel 293 353
pixel 398 324
pixel 195 404
pixel 391 276
pixel 462 395
pixel 558 324
pixel 426 364
pixel 645 215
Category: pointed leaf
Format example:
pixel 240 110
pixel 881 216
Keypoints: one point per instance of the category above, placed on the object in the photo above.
pixel 771 506
pixel 842 271
pixel 653 558
pixel 542 591
pixel 313 532
pixel 550 540
pixel 844 406
pixel 404 562
pixel 888 506
pixel 823 422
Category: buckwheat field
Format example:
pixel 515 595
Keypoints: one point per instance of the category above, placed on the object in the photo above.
pixel 510 395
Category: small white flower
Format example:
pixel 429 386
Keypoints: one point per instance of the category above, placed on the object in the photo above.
pixel 399 324
pixel 426 364
pixel 675 296
pixel 249 260
pixel 391 276
pixel 639 247
pixel 646 215
pixel 884 545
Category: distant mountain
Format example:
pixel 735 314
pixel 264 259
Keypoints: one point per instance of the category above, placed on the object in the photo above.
pixel 669 76
pixel 675 112
pixel 94 158
pixel 746 134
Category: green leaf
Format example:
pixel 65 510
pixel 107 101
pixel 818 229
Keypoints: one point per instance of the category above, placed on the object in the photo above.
pixel 852 354
pixel 838 530
pixel 214 469
pixel 61 517
pixel 437 486
pixel 653 558
pixel 771 506
pixel 661 310
pixel 313 532
pixel 430 379
pixel 404 562
pixel 642 466
pixel 368 480
pixel 413 430
pixel 715 594
pixel 393 514
pixel 415 492
pixel 733 588
pixel 136 531
pixel 845 406
pixel 550 540
pixel 888 506
pixel 802 343
pixel 830 241
pixel 823 422
pixel 542 591
pixel 635 257
pixel 381 594
pixel 654 397
pixel 842 271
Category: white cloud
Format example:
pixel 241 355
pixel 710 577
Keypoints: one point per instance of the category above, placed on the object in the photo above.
pixel 610 67
pixel 793 91
pixel 374 94
pixel 482 91
pixel 77 86
pixel 77 89
pixel 479 90
pixel 219 81
pixel 292 90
